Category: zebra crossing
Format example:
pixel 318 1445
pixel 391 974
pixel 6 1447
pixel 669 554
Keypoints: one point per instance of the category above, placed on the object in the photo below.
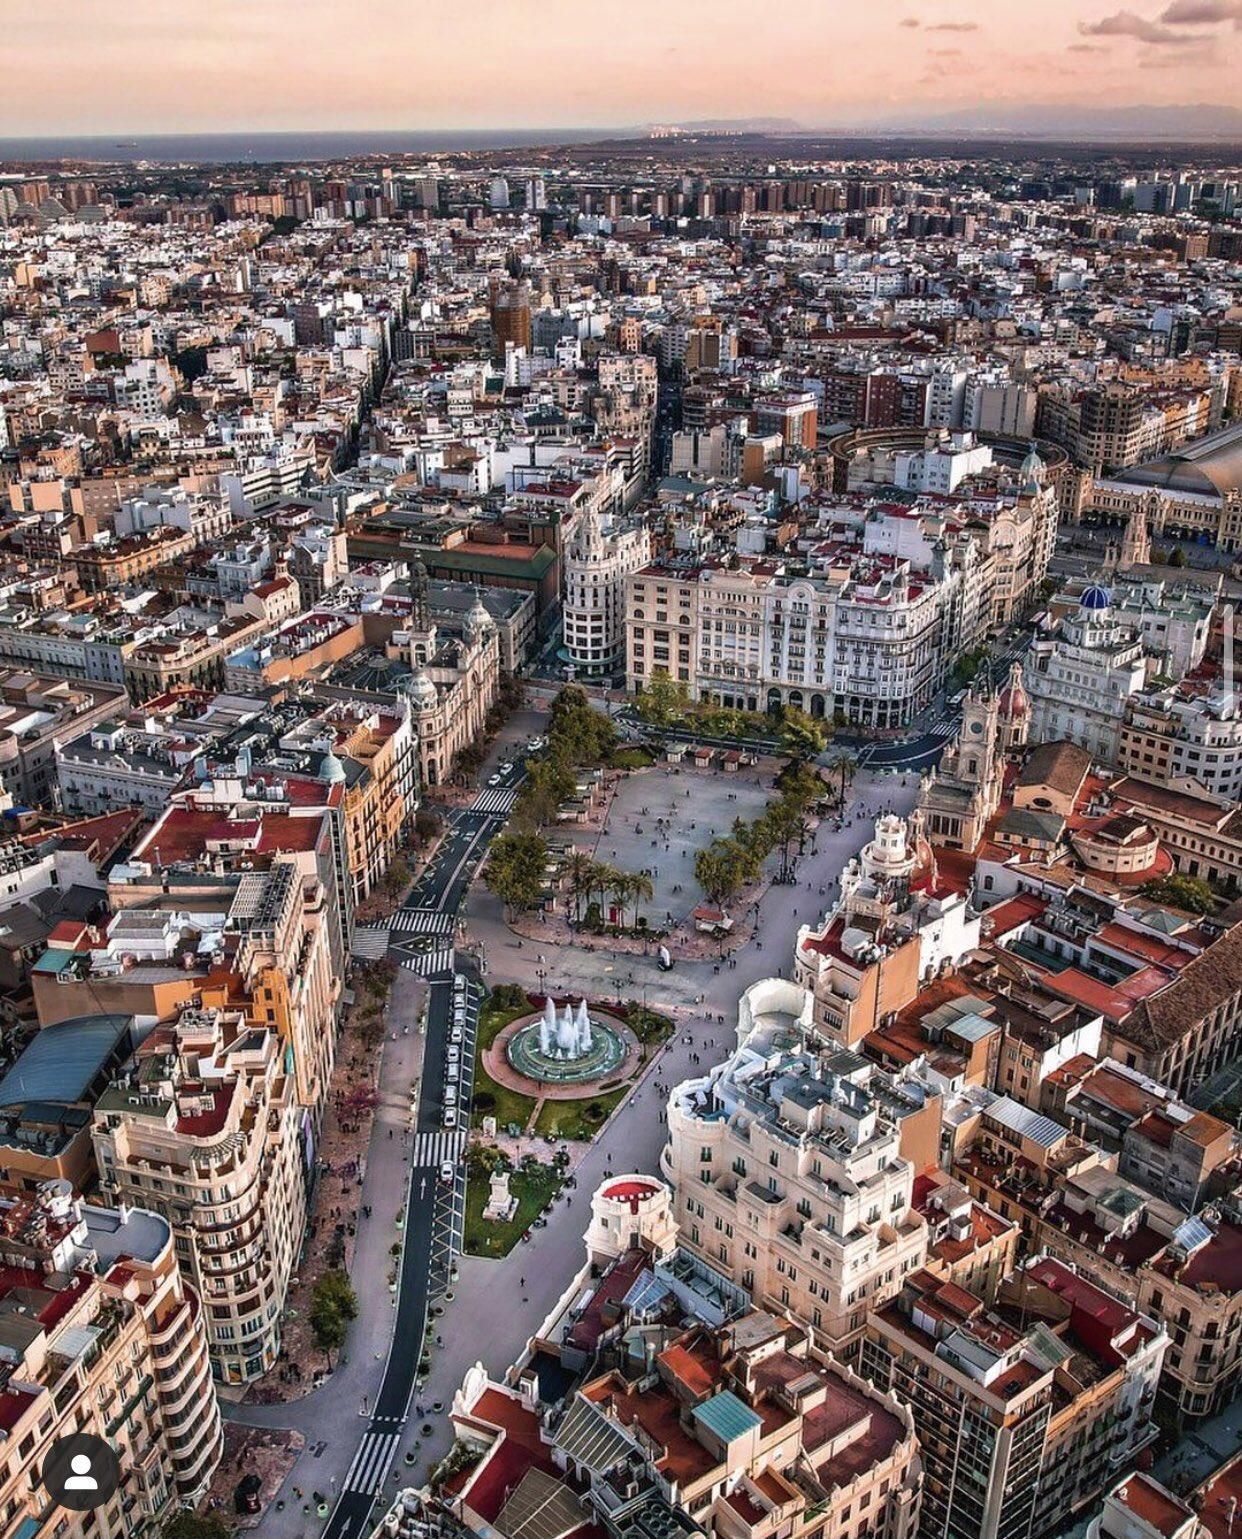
pixel 422 921
pixel 427 964
pixel 432 1150
pixel 367 1472
pixel 943 729
pixel 497 799
pixel 370 942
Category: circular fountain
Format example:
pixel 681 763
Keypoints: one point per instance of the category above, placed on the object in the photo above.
pixel 569 1047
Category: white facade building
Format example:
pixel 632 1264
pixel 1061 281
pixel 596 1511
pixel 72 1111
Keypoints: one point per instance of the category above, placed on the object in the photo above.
pixel 599 557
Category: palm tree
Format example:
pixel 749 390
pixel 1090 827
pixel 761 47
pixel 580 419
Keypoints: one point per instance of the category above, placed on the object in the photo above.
pixel 642 890
pixel 601 877
pixel 620 888
pixel 579 869
pixel 847 767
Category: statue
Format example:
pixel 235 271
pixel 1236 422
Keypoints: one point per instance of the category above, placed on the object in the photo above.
pixel 501 1203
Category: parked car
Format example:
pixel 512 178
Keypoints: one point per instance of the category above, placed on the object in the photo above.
pixel 448 1173
pixel 450 1116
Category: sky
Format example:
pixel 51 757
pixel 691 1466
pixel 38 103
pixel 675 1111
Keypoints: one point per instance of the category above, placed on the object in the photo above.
pixel 177 66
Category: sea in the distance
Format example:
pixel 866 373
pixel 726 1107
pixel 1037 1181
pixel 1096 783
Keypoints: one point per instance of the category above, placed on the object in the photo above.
pixel 287 148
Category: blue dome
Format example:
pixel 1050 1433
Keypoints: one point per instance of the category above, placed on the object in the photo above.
pixel 1095 598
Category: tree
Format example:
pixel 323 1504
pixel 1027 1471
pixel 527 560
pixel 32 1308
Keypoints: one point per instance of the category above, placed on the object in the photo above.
pixel 578 870
pixel 801 784
pixel 194 1525
pixel 548 783
pixel 723 869
pixel 846 766
pixel 396 877
pixel 802 736
pixel 427 824
pixel 516 869
pixel 620 890
pixel 577 732
pixel 642 890
pixel 663 701
pixel 786 821
pixel 1187 892
pixel 333 1305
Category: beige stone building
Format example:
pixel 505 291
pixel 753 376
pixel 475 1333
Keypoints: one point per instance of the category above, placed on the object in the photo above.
pixel 788 1175
pixel 206 1130
pixel 101 1336
pixel 1023 1409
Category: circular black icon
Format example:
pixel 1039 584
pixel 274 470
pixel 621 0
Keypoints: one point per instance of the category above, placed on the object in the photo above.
pixel 81 1471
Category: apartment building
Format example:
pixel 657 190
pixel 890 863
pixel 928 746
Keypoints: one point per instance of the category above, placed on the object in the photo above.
pixel 204 1128
pixel 38 712
pixel 214 908
pixel 1080 678
pixel 104 1337
pixel 1171 738
pixel 866 646
pixel 371 753
pixel 1184 1271
pixel 788 1175
pixel 598 557
pixel 1195 1286
pixel 1024 1408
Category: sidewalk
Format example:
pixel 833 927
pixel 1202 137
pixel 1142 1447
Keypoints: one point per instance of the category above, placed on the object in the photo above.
pixel 326 1416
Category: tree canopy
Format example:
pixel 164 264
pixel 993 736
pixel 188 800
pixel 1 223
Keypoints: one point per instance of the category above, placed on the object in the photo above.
pixel 333 1305
pixel 1188 892
pixel 516 867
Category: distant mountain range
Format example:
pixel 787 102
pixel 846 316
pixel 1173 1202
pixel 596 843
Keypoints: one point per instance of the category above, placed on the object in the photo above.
pixel 732 126
pixel 1039 120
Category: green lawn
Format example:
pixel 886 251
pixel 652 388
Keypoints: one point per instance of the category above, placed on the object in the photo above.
pixel 508 1106
pixel 631 757
pixel 578 1119
pixel 649 1026
pixel 533 1187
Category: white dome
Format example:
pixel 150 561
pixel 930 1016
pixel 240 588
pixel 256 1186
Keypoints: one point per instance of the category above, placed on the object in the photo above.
pixel 421 691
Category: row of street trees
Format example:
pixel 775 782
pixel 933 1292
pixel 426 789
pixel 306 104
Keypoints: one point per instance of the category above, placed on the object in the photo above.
pixel 731 863
pixel 665 703
pixel 579 736
pixel 588 877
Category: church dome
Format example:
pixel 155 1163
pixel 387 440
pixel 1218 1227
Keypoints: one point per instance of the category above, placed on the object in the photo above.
pixel 1014 702
pixel 331 769
pixel 1033 469
pixel 478 622
pixel 421 691
pixel 1095 598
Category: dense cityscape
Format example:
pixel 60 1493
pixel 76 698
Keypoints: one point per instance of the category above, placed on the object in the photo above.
pixel 620 854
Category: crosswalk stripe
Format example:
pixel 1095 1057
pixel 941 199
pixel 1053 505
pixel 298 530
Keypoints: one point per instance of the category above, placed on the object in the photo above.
pixel 428 963
pixel 422 921
pixel 494 800
pixel 370 1465
pixel 370 942
pixel 435 1149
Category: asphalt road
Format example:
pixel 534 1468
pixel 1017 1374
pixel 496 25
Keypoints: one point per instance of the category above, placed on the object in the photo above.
pixel 422 936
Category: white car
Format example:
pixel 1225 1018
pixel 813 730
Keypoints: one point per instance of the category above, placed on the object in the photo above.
pixel 455 1034
pixel 504 769
pixel 454 1055
pixel 450 1074
pixel 494 781
pixel 450 1116
pixel 448 1173
pixel 536 743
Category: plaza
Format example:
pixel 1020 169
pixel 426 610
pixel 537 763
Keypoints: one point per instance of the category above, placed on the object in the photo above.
pixel 659 819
